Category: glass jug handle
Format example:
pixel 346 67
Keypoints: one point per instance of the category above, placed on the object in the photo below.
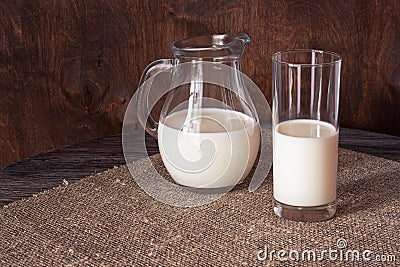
pixel 151 70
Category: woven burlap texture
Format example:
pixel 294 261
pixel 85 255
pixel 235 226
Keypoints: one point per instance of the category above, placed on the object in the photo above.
pixel 107 220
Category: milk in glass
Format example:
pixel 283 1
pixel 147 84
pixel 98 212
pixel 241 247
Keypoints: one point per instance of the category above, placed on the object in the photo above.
pixel 305 162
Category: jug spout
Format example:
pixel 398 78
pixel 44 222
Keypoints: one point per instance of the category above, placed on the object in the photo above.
pixel 237 42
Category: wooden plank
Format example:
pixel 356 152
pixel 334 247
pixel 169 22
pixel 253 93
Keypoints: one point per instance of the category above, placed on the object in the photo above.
pixel 75 162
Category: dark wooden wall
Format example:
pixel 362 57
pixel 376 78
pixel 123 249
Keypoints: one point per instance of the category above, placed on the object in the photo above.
pixel 69 67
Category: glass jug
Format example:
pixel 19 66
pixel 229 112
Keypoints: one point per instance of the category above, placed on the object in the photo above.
pixel 208 130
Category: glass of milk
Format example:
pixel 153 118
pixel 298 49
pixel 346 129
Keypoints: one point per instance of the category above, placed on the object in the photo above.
pixel 305 96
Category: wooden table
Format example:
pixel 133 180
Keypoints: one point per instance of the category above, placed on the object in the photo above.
pixel 74 162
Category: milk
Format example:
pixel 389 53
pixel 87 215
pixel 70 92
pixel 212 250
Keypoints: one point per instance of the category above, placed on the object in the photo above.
pixel 305 162
pixel 221 152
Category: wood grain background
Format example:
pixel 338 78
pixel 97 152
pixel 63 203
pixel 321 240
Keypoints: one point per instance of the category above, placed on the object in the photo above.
pixel 69 67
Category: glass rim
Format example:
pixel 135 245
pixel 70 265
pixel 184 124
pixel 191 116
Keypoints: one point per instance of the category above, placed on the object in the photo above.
pixel 337 59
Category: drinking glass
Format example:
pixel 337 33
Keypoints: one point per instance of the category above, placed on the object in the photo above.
pixel 305 109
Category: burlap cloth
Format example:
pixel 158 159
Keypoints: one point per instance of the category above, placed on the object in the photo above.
pixel 107 220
